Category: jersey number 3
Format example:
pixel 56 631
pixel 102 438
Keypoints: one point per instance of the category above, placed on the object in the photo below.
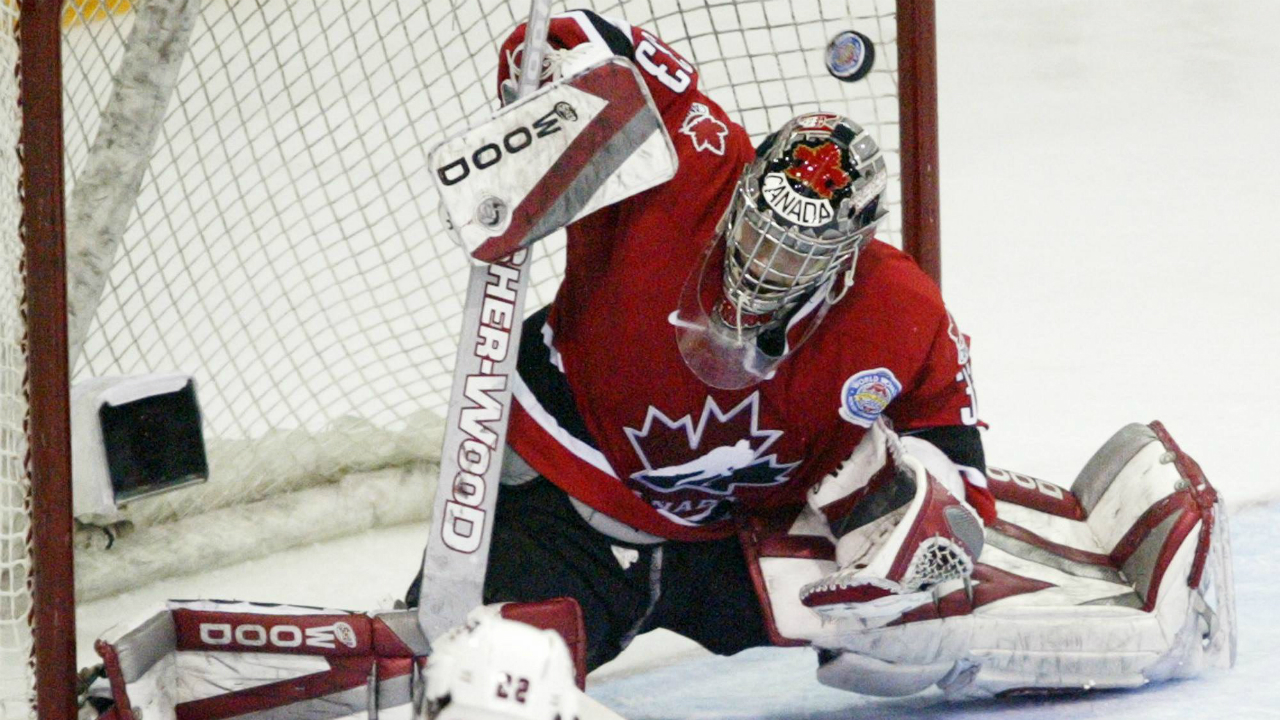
pixel 968 415
pixel 664 64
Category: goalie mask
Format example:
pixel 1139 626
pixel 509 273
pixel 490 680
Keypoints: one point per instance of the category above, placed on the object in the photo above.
pixel 498 669
pixel 801 213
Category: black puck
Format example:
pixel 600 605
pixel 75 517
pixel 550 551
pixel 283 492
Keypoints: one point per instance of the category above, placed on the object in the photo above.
pixel 850 56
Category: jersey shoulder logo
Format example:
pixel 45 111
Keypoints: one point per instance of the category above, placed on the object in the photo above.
pixel 706 132
pixel 866 394
pixel 710 457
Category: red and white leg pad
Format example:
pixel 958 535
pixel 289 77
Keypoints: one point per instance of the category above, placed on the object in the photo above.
pixel 1122 580
pixel 216 659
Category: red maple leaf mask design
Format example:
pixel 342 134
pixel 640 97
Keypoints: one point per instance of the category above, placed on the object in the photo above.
pixel 818 168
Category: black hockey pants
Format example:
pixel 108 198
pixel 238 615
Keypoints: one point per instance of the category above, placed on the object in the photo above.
pixel 543 549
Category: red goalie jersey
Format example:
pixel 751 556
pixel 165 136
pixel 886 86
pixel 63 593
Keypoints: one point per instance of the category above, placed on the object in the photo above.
pixel 606 407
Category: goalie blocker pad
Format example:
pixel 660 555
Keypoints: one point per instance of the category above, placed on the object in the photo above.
pixel 548 159
pixel 201 660
pixel 1122 580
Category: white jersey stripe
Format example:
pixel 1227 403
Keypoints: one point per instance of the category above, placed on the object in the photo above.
pixel 583 451
pixel 588 29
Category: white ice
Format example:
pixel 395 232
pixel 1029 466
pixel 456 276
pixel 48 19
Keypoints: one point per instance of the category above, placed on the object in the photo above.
pixel 1109 180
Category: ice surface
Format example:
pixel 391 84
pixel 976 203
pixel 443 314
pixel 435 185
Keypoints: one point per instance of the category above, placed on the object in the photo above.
pixel 1110 184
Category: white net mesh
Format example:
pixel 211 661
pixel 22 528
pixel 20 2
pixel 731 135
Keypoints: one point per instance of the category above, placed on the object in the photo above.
pixel 284 247
pixel 16 680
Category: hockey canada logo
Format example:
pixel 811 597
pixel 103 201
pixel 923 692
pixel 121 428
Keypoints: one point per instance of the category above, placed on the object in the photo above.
pixel 809 181
pixel 865 395
pixel 707 132
pixel 699 465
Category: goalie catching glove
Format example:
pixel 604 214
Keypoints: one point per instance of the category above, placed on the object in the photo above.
pixel 904 537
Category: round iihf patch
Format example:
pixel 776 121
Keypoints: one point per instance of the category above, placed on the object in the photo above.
pixel 866 394
pixel 850 56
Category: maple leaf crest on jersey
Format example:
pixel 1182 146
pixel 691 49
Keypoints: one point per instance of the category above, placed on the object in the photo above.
pixel 707 132
pixel 707 461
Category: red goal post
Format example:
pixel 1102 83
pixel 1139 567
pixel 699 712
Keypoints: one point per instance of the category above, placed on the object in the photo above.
pixel 44 381
pixel 918 90
pixel 326 353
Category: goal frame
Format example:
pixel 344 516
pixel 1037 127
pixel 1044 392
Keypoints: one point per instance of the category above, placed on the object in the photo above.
pixel 52 581
pixel 47 377
pixel 918 89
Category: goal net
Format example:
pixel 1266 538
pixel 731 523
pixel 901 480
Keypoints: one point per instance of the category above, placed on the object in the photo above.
pixel 248 203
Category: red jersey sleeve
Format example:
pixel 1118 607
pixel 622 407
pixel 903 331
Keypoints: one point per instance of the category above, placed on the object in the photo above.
pixel 671 79
pixel 942 391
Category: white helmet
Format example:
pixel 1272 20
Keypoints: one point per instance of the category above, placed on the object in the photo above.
pixel 498 669
pixel 802 211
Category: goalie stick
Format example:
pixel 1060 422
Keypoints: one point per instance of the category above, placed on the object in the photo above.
pixel 591 138
pixel 453 565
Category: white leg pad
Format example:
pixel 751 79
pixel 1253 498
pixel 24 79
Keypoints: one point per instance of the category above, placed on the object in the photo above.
pixel 1099 599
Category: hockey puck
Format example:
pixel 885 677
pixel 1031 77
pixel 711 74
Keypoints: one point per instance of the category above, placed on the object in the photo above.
pixel 850 56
